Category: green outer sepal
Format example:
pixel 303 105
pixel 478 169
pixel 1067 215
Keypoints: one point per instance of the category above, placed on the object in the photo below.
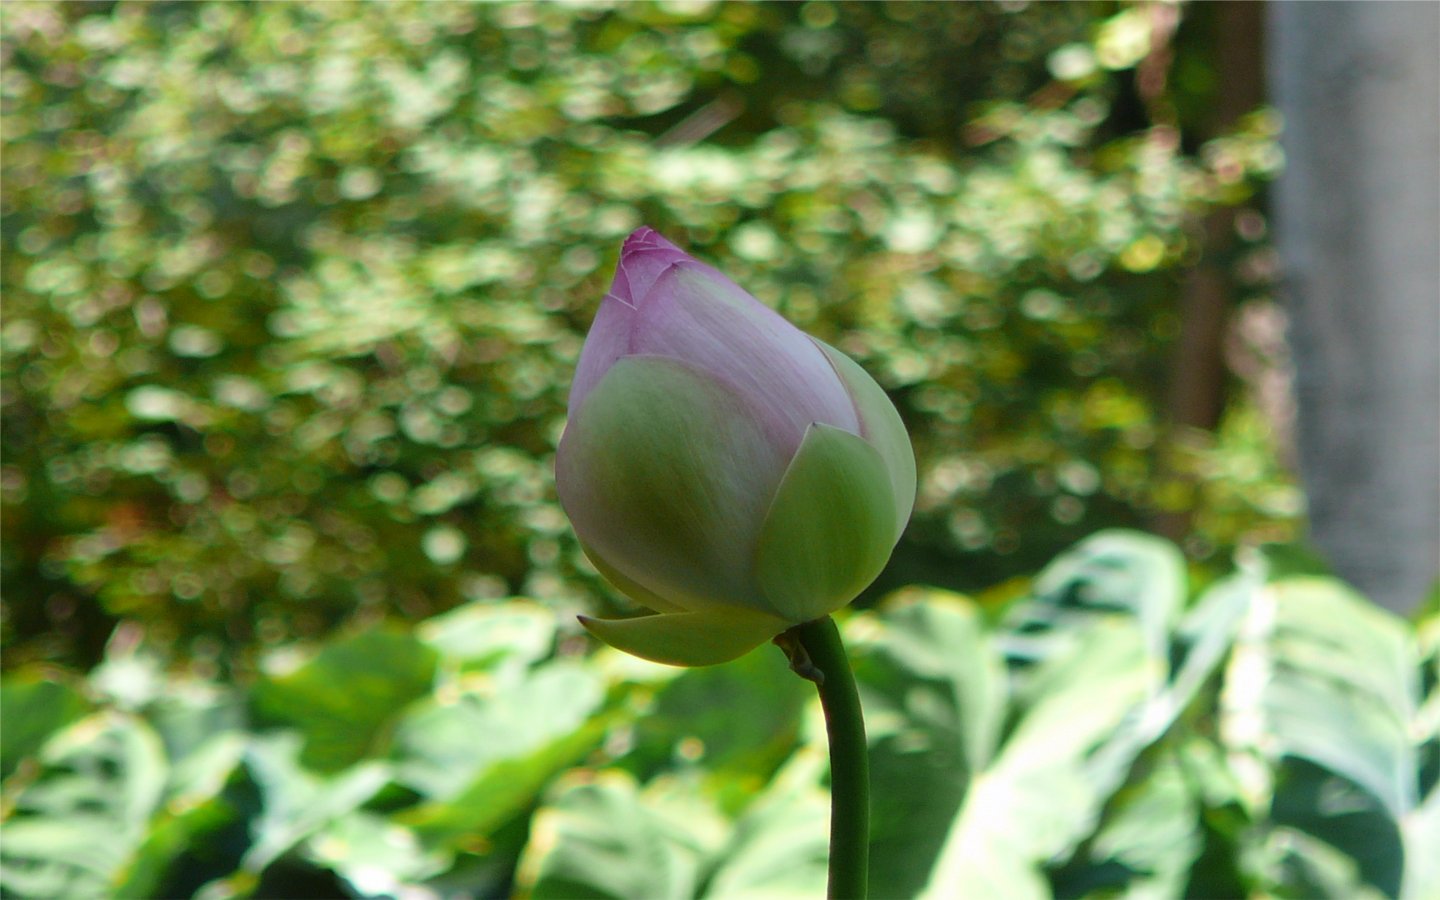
pixel 627 585
pixel 702 638
pixel 830 528
pixel 883 428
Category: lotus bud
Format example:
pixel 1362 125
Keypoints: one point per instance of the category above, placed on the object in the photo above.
pixel 721 467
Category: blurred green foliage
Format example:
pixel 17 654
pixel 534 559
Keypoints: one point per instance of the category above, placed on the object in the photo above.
pixel 293 291
pixel 1114 733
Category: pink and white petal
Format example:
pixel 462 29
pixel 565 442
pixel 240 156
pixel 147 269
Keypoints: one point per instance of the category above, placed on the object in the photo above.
pixel 609 339
pixel 698 315
pixel 644 257
pixel 666 476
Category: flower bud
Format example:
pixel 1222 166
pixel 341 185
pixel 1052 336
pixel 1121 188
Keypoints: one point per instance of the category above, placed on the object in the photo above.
pixel 721 467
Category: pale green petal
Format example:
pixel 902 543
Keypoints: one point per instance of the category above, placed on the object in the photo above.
pixel 689 638
pixel 628 586
pixel 881 425
pixel 666 476
pixel 831 527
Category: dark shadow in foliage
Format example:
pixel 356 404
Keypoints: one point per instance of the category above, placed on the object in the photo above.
pixel 1080 878
pixel 933 693
pixel 911 818
pixel 290 878
pixel 1216 871
pixel 184 854
pixel 1312 799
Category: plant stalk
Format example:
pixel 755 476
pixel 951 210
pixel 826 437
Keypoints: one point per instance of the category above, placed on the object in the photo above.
pixel 816 653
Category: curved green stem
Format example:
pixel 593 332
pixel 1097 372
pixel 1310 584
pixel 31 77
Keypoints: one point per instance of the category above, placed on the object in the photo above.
pixel 816 653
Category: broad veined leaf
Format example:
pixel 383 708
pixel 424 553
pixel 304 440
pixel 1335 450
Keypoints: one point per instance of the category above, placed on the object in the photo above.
pixel 1421 826
pixel 779 847
pixel 1041 796
pixel 297 803
pixel 934 690
pixel 203 729
pixel 501 791
pixel 185 846
pixel 443 744
pixel 603 837
pixel 35 708
pixel 1090 651
pixel 691 723
pixel 1146 840
pixel 485 635
pixel 1145 845
pixel 1112 571
pixel 375 856
pixel 75 826
pixel 346 699
pixel 1322 690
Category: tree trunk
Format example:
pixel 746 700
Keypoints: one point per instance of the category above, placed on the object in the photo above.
pixel 1358 228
